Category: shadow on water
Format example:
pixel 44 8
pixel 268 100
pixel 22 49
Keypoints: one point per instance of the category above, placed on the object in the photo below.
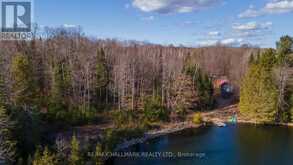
pixel 265 145
pixel 234 144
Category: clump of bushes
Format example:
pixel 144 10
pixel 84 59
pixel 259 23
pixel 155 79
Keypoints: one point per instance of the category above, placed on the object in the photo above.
pixel 76 154
pixel 75 116
pixel 197 118
pixel 154 111
pixel 44 158
pixel 131 124
pixel 125 117
pixel 181 111
pixel 114 136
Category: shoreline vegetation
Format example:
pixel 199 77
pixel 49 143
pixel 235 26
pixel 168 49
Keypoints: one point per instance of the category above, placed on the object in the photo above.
pixel 65 96
pixel 152 134
pixel 222 115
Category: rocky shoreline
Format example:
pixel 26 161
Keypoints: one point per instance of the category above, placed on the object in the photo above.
pixel 214 117
pixel 157 133
pixel 222 115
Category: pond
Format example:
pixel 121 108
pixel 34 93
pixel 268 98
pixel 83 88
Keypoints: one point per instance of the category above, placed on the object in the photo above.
pixel 231 145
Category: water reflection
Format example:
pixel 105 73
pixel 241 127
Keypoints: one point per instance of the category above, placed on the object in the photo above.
pixel 234 144
pixel 265 145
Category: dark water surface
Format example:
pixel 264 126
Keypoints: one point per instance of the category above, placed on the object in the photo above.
pixel 231 145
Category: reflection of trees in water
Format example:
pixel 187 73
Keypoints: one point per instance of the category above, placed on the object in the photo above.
pixel 190 132
pixel 264 144
pixel 239 144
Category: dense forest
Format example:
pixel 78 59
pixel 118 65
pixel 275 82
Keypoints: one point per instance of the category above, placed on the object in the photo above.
pixel 266 93
pixel 66 79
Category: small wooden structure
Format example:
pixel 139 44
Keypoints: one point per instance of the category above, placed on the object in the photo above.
pixel 223 85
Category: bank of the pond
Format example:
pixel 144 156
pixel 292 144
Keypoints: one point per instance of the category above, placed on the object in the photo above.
pixel 170 128
pixel 234 144
pixel 210 118
pixel 214 117
pixel 224 115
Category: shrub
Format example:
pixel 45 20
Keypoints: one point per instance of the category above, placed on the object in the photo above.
pixel 79 115
pixel 97 159
pixel 115 136
pixel 197 118
pixel 74 157
pixel 154 110
pixel 45 158
pixel 125 117
pixel 181 112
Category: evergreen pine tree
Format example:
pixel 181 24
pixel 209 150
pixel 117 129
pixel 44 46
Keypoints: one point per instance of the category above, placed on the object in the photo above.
pixel 102 79
pixel 60 89
pixel 7 142
pixel 27 133
pixel 101 69
pixel 46 158
pixel 290 103
pixel 60 83
pixel 2 89
pixel 74 157
pixel 258 98
pixel 251 59
pixel 98 159
pixel 203 85
pixel 24 87
pixel 284 50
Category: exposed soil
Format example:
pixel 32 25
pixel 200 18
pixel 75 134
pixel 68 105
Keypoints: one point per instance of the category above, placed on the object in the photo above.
pixel 221 114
